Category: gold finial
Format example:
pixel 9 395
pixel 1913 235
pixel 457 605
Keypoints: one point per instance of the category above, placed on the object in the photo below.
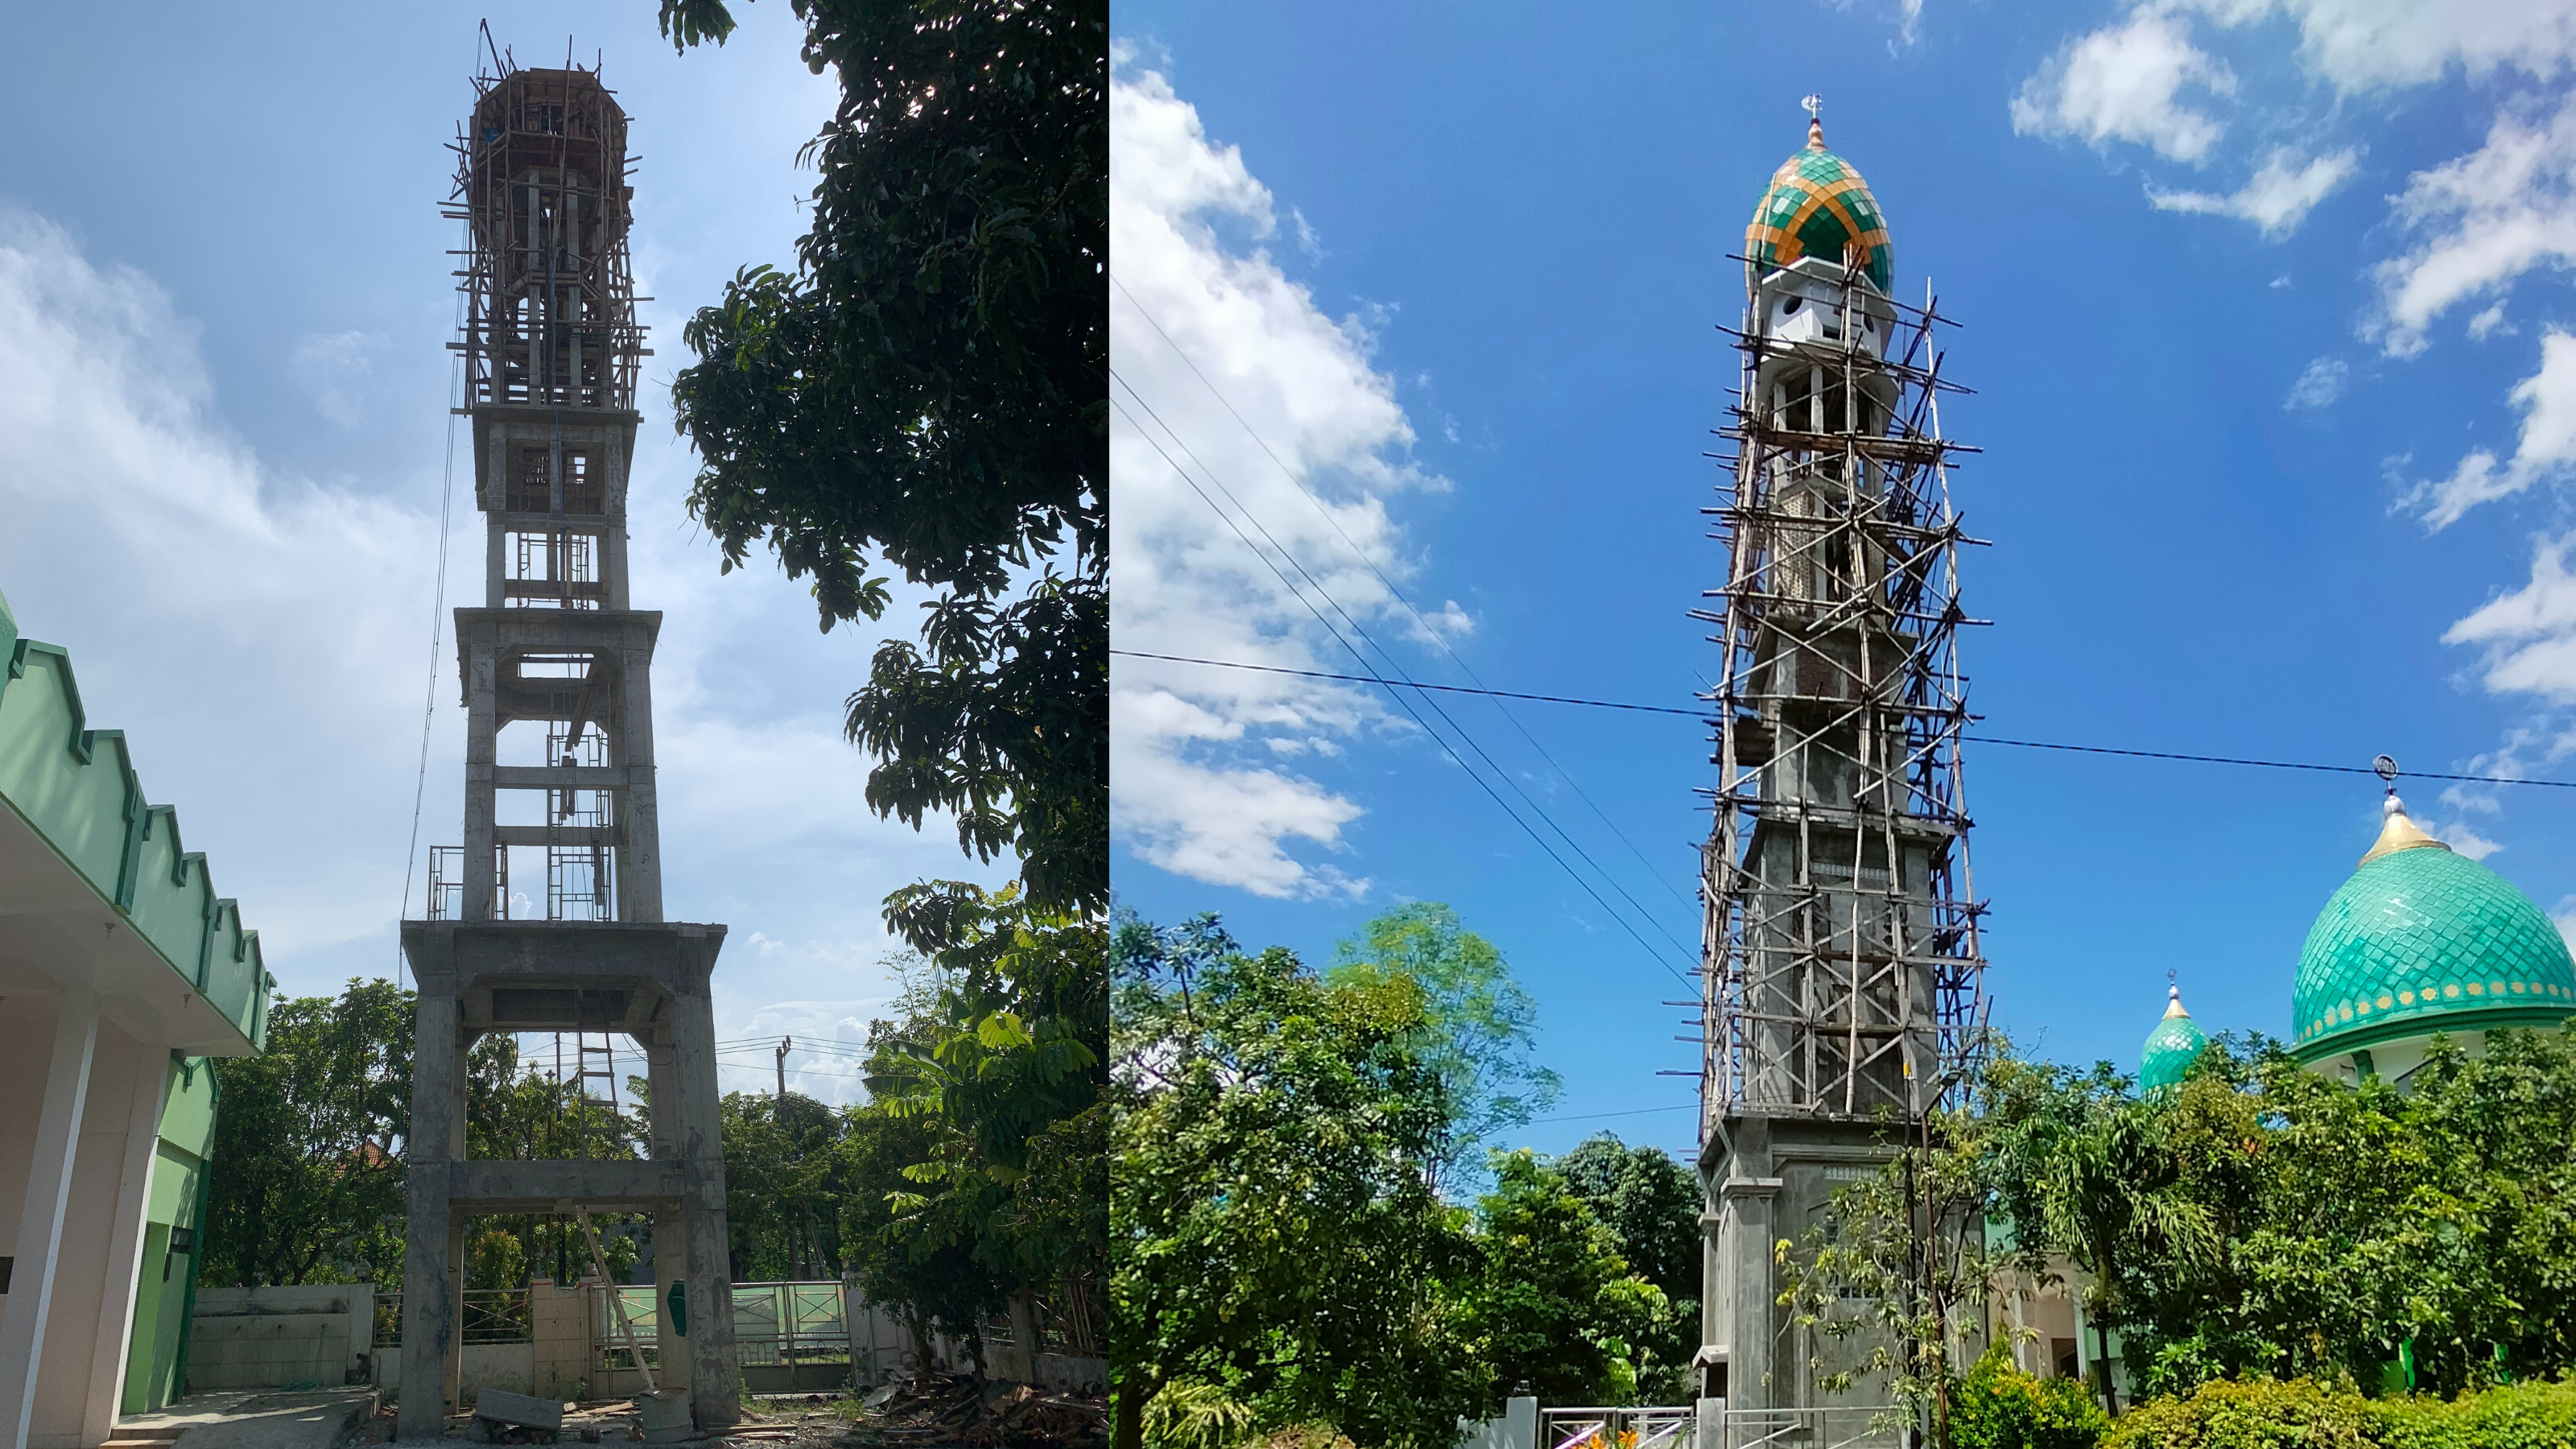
pixel 1815 104
pixel 2397 832
pixel 2173 998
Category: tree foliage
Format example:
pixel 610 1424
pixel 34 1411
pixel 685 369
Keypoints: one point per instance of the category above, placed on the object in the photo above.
pixel 928 391
pixel 1651 1204
pixel 307 1178
pixel 1478 1030
pixel 1554 1309
pixel 1285 1263
pixel 2257 1222
pixel 1280 1246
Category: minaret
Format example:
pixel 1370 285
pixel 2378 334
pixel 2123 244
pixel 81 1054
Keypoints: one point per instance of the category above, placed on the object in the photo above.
pixel 2177 1042
pixel 1840 964
pixel 559 776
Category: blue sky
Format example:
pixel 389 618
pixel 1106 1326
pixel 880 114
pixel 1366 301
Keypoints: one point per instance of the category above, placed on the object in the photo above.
pixel 224 304
pixel 2266 306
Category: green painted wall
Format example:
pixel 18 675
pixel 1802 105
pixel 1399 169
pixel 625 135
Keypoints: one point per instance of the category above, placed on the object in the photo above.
pixel 76 788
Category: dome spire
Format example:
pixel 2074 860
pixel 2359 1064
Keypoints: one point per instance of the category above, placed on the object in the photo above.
pixel 1815 104
pixel 2173 998
pixel 2398 831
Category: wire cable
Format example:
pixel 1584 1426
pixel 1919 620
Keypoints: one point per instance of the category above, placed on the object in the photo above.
pixel 1706 716
pixel 437 629
pixel 1435 635
pixel 1392 690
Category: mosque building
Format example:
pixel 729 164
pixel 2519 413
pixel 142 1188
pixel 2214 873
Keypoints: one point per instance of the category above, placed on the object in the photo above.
pixel 2420 941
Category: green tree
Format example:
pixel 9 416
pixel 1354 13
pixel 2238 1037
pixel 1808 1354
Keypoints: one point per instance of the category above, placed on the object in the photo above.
pixel 1479 1027
pixel 2081 1164
pixel 928 391
pixel 1555 1309
pixel 783 1186
pixel 1280 1255
pixel 1651 1204
pixel 307 1174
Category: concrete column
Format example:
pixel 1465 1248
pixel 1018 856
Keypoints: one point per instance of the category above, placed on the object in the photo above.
pixel 641 866
pixel 40 1222
pixel 495 543
pixel 451 1362
pixel 482 733
pixel 1746 1240
pixel 151 1080
pixel 670 1226
pixel 429 1312
pixel 715 1375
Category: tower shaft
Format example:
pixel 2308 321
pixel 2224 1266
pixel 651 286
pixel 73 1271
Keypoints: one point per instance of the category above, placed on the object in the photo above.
pixel 1840 961
pixel 556 670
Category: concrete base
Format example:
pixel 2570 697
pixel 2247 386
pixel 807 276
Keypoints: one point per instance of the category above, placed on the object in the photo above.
pixel 1768 1179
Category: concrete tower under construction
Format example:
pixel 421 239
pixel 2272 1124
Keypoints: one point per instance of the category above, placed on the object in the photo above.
pixel 549 918
pixel 1840 964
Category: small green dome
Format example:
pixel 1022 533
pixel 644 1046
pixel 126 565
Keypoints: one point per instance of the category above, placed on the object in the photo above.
pixel 1817 206
pixel 2423 940
pixel 2171 1048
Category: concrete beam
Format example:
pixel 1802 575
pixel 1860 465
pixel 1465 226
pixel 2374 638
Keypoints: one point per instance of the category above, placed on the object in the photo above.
pixel 451 955
pixel 565 835
pixel 495 1185
pixel 558 777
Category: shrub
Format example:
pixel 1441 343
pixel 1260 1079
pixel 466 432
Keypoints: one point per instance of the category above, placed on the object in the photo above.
pixel 2301 1414
pixel 2518 1416
pixel 1997 1406
pixel 2256 1414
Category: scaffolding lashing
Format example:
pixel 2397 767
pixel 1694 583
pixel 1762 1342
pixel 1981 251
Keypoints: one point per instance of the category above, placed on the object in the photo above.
pixel 1841 968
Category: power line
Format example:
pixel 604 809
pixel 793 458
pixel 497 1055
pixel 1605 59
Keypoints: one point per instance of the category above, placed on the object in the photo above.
pixel 437 634
pixel 1435 635
pixel 1701 714
pixel 1353 650
pixel 1631 1112
pixel 1357 628
pixel 1698 714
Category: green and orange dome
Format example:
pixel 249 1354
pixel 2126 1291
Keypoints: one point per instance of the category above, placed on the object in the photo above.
pixel 2421 940
pixel 1817 206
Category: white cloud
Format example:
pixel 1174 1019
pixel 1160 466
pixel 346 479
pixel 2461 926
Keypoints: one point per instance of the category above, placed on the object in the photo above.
pixel 2279 196
pixel 2546 450
pixel 333 367
pixel 2364 45
pixel 1198 784
pixel 2462 839
pixel 2485 219
pixel 265 639
pixel 2125 83
pixel 2319 386
pixel 2488 323
pixel 2529 635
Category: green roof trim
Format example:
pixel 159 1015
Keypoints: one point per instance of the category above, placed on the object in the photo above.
pixel 2426 940
pixel 76 788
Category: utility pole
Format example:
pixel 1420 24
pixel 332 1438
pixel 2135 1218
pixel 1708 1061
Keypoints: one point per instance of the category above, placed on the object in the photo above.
pixel 784 1043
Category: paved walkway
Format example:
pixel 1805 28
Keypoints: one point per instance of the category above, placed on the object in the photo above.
pixel 254 1419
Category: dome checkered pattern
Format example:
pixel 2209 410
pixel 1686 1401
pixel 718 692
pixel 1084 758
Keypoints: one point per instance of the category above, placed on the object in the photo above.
pixel 1817 206
pixel 2424 940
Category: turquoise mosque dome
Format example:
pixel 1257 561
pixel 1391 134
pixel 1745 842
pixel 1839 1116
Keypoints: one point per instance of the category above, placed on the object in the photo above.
pixel 2421 940
pixel 1817 205
pixel 2171 1048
